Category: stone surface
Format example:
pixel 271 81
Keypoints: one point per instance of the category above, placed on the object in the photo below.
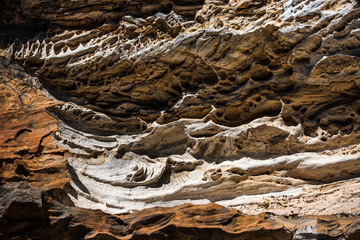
pixel 53 220
pixel 27 150
pixel 113 107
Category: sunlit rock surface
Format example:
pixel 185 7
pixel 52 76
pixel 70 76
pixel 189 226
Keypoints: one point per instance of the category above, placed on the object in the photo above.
pixel 122 106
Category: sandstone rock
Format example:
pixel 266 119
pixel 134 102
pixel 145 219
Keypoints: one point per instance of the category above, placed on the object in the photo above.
pixel 147 106
pixel 27 151
pixel 51 219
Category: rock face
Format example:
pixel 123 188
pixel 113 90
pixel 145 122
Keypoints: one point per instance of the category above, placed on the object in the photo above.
pixel 35 214
pixel 135 108
pixel 27 150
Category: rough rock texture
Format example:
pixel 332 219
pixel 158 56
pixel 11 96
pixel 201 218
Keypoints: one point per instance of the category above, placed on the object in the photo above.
pixel 122 106
pixel 42 217
pixel 27 150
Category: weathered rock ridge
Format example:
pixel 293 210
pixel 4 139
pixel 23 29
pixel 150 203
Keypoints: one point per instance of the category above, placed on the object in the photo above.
pixel 122 106
pixel 44 218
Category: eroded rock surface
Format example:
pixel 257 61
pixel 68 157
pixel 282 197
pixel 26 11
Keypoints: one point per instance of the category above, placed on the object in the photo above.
pixel 27 150
pixel 44 218
pixel 252 105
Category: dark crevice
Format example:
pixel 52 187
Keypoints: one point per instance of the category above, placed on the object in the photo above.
pixel 21 170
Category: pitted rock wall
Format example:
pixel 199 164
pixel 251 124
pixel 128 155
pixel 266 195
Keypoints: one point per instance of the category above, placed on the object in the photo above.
pixel 252 105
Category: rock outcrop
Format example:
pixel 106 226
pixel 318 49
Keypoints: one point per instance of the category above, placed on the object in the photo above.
pixel 247 109
pixel 27 150
pixel 33 213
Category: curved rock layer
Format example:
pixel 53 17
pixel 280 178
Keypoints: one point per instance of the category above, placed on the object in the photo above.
pixel 253 105
pixel 42 217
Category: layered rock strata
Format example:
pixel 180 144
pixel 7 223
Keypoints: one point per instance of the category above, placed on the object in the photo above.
pixel 252 105
pixel 42 217
pixel 27 150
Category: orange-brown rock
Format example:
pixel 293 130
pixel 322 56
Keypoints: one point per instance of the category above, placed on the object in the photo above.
pixel 27 150
pixel 50 219
pixel 179 119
